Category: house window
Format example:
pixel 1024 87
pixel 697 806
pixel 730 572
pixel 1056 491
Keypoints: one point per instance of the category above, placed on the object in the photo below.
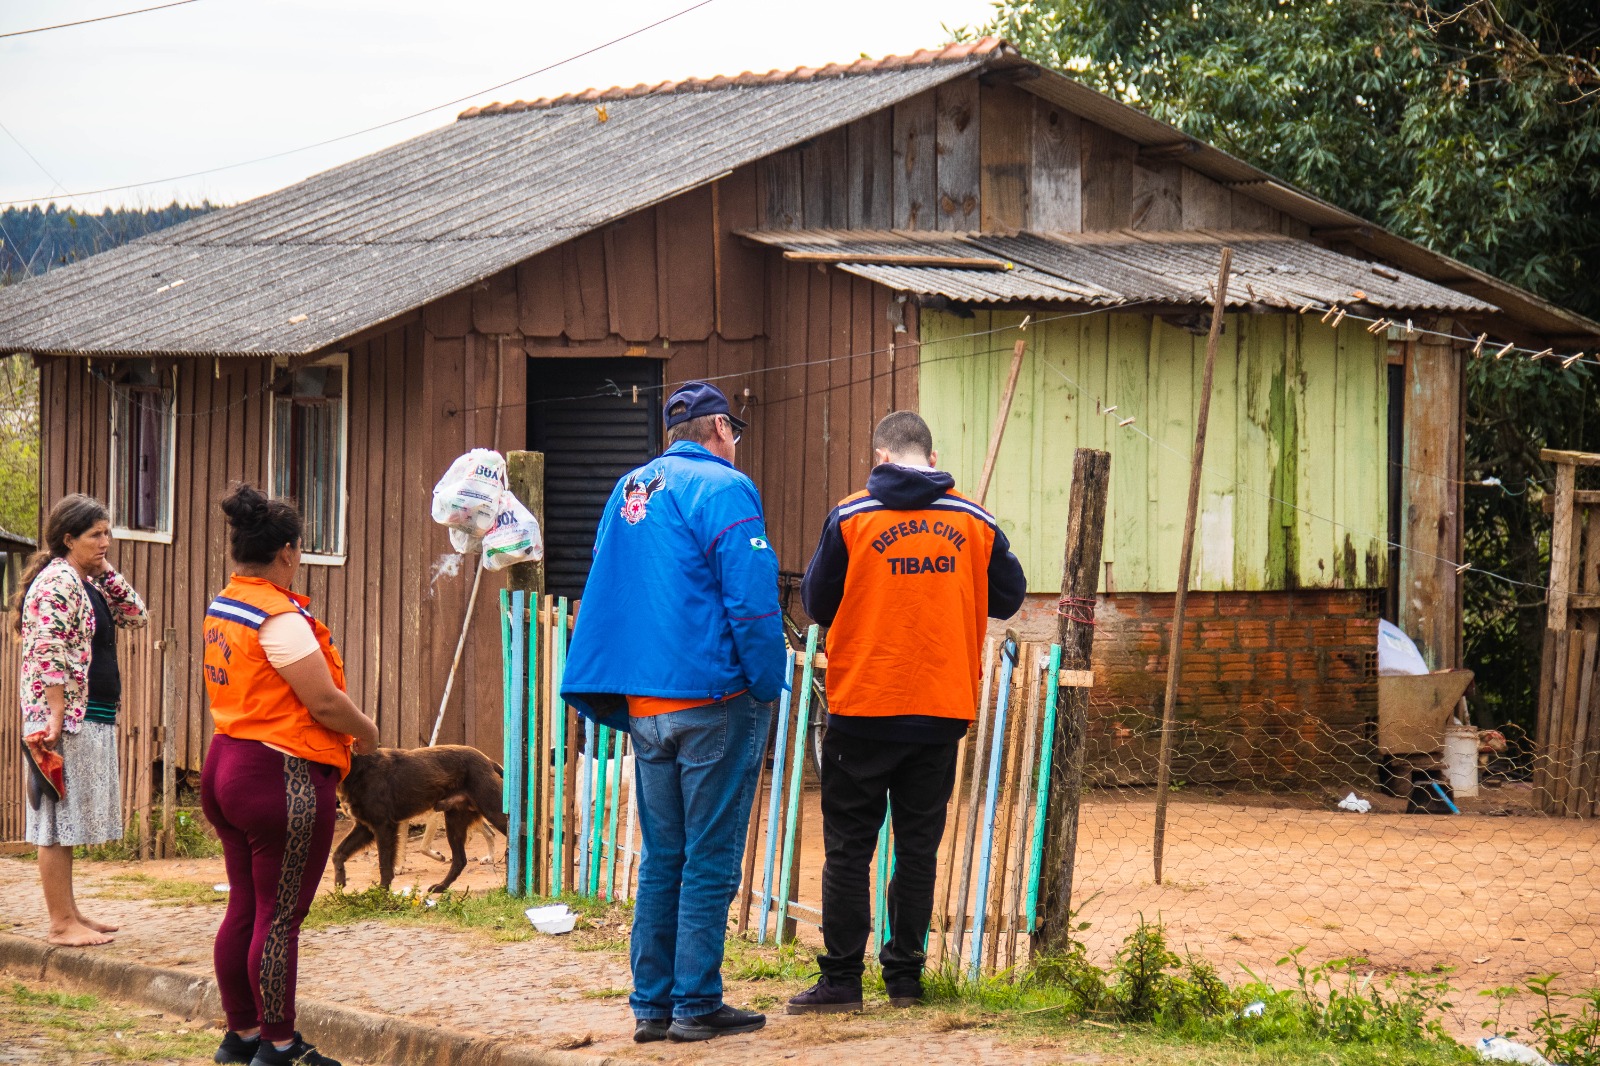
pixel 310 411
pixel 143 421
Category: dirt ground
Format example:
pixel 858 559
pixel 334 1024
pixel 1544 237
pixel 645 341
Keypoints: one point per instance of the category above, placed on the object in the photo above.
pixel 1495 895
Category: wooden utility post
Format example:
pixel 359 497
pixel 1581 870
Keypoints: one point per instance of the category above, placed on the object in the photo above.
pixel 525 478
pixel 1080 583
pixel 169 743
pixel 525 475
pixel 1185 560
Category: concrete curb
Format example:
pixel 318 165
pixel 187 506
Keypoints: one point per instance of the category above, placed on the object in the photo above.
pixel 371 1037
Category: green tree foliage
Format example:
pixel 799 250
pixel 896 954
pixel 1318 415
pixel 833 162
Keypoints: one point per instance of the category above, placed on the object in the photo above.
pixel 1471 128
pixel 19 446
pixel 32 241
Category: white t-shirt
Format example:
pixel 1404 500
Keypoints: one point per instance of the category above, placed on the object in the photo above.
pixel 287 638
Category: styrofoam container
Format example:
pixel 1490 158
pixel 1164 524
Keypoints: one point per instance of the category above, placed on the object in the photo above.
pixel 555 919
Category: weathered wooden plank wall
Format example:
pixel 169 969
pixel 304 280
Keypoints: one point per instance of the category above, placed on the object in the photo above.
pixel 1298 416
pixel 968 155
pixel 395 604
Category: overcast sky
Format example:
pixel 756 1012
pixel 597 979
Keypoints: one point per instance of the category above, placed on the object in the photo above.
pixel 215 82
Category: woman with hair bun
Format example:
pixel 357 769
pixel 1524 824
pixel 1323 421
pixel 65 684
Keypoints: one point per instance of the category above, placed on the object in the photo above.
pixel 68 608
pixel 285 730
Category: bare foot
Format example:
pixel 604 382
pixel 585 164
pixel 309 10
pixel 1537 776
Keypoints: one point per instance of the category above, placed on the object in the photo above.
pixel 77 935
pixel 99 927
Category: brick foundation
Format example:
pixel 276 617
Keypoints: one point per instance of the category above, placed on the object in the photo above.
pixel 1276 688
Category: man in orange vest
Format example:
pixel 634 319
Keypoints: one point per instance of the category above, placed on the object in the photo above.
pixel 906 576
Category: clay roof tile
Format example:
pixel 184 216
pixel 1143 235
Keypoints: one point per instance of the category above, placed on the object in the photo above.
pixel 950 53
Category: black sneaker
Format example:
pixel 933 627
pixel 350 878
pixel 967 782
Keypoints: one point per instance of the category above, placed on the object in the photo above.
pixel 724 1021
pixel 649 1030
pixel 297 1052
pixel 905 993
pixel 235 1048
pixel 827 997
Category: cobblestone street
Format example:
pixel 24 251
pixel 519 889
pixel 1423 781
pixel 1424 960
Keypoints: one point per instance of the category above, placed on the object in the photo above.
pixel 539 990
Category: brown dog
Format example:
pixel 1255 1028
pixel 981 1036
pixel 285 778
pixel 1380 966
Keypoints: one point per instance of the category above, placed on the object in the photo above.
pixel 392 785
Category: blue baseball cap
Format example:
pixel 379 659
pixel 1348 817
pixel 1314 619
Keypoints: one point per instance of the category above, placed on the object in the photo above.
pixel 696 399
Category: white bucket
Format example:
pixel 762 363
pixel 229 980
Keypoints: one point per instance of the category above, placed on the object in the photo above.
pixel 1461 759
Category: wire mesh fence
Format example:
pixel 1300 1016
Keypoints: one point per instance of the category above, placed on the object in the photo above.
pixel 1431 868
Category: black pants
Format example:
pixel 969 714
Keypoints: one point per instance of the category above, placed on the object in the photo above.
pixel 858 777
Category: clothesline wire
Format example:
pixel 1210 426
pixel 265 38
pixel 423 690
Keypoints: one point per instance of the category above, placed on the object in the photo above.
pixel 1131 424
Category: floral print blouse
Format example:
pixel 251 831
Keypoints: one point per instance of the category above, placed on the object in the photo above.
pixel 57 633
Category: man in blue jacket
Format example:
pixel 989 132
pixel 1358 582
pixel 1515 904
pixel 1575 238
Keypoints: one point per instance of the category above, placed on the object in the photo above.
pixel 680 642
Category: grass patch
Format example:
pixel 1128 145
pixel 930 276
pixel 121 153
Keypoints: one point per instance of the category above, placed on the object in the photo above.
pixel 495 913
pixel 1160 1007
pixel 605 993
pixel 87 1029
pixel 192 839
pixel 744 960
pixel 161 892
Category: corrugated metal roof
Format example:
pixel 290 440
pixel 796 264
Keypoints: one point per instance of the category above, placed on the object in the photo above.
pixel 16 543
pixel 366 241
pixel 362 243
pixel 1128 267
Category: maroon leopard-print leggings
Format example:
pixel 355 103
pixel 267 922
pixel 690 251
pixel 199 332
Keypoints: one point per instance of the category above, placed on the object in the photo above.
pixel 274 813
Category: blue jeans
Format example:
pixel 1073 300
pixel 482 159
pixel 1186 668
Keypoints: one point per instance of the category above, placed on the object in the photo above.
pixel 695 777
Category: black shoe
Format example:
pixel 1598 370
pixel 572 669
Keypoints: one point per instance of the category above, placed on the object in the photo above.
pixel 724 1021
pixel 905 993
pixel 236 1048
pixel 298 1052
pixel 827 997
pixel 648 1030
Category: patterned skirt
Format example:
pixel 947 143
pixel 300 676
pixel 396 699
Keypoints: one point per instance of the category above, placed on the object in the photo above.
pixel 91 813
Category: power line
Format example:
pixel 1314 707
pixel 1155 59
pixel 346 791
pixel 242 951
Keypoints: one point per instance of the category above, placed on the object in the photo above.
pixel 371 129
pixel 102 18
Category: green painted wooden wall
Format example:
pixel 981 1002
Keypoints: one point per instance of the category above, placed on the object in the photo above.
pixel 1293 490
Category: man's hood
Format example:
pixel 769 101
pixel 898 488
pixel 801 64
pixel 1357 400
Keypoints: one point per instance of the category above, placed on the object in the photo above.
pixel 907 488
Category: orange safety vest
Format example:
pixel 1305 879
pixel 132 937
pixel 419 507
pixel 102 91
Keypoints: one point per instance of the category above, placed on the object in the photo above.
pixel 250 700
pixel 908 636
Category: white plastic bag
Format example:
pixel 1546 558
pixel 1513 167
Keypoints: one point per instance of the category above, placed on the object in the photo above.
pixel 1499 1049
pixel 465 543
pixel 515 537
pixel 1355 803
pixel 468 496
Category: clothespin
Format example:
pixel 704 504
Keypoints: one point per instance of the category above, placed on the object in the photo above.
pixel 1108 410
pixel 1329 312
pixel 1501 353
pixel 1306 306
pixel 1477 349
pixel 1569 360
pixel 1463 568
pixel 1536 356
pixel 636 394
pixel 600 113
pixel 1025 320
pixel 1379 326
pixel 1125 422
pixel 1338 318
pixel 216 369
pixel 1409 331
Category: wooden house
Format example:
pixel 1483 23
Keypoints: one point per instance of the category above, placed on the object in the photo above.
pixel 828 244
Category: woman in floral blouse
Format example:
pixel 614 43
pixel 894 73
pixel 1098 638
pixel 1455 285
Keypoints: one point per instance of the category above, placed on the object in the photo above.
pixel 69 602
